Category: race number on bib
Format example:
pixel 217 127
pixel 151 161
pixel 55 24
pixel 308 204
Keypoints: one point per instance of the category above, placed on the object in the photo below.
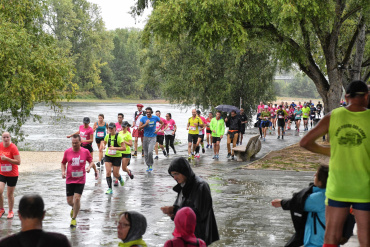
pixel 193 128
pixel 77 174
pixel 83 139
pixel 6 167
pixel 280 116
pixel 100 134
pixel 112 152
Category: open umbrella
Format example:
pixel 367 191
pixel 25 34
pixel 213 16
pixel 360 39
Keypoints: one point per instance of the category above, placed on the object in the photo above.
pixel 227 108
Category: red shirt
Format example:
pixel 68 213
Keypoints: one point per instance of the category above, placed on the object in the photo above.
pixel 76 172
pixel 7 169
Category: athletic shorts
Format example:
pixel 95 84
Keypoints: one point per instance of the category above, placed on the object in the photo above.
pixel 98 140
pixel 160 139
pixel 209 132
pixel 116 161
pixel 273 117
pixel 88 147
pixel 312 117
pixel 242 130
pixel 126 156
pixel 201 137
pixel 355 205
pixel 305 119
pixel 10 181
pixel 72 189
pixel 192 138
pixel 216 139
pixel 281 123
pixel 265 124
pixel 137 133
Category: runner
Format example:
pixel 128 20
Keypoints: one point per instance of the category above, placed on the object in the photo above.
pixel 113 155
pixel 306 113
pixel 217 127
pixel 126 154
pixel 243 120
pixel 194 122
pixel 169 133
pixel 270 109
pixel 86 134
pixel 136 132
pixel 274 108
pixel 119 123
pixel 209 132
pixel 319 108
pixel 281 115
pixel 300 105
pixel 260 107
pixel 200 136
pixel 312 114
pixel 75 174
pixel 264 121
pixel 293 104
pixel 148 123
pixel 101 130
pixel 160 135
pixel 291 117
pixel 9 162
pixel 349 170
pixel 298 116
pixel 234 125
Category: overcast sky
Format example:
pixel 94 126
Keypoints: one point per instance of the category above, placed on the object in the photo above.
pixel 115 14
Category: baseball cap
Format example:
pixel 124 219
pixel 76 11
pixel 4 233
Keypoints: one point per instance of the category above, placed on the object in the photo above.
pixel 86 120
pixel 140 105
pixel 357 88
pixel 111 125
pixel 266 107
pixel 125 124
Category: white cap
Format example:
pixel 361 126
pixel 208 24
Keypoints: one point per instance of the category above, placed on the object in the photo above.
pixel 266 107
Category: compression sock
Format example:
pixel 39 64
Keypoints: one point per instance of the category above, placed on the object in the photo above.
pixel 109 182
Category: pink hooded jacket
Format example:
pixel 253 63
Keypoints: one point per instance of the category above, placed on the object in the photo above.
pixel 185 222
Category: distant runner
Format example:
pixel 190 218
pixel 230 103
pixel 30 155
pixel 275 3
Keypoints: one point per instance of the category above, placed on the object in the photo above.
pixel 234 124
pixel 312 114
pixel 217 127
pixel 319 108
pixel 281 115
pixel 9 162
pixel 298 117
pixel 243 120
pixel 126 154
pixel 194 123
pixel 100 128
pixel 160 135
pixel 264 121
pixel 209 132
pixel 136 132
pixel 306 113
pixel 169 133
pixel 86 134
pixel 201 134
pixel 121 117
pixel 75 174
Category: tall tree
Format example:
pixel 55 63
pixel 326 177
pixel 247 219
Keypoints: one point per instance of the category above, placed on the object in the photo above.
pixel 34 68
pixel 319 36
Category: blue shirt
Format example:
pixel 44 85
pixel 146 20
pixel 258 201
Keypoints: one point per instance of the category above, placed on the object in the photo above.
pixel 151 127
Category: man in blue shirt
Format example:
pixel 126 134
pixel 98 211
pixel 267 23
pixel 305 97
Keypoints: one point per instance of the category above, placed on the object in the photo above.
pixel 148 123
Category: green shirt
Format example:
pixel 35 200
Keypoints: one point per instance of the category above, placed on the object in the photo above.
pixel 126 137
pixel 349 165
pixel 265 115
pixel 306 112
pixel 113 153
pixel 217 127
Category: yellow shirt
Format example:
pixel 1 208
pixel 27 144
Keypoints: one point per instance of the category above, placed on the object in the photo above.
pixel 194 130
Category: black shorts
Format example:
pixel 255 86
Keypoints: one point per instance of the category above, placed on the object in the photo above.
pixel 216 139
pixel 201 137
pixel 160 139
pixel 242 130
pixel 281 123
pixel 116 161
pixel 72 189
pixel 265 124
pixel 10 181
pixel 88 147
pixel 209 132
pixel 126 156
pixel 98 140
pixel 192 138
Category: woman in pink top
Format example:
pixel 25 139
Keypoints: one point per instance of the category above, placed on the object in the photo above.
pixel 169 133
pixel 260 107
pixel 87 137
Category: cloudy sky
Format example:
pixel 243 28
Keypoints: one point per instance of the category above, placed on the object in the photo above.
pixel 115 14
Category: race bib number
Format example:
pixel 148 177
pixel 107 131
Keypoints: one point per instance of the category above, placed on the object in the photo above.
pixel 77 174
pixel 280 116
pixel 313 115
pixel 100 134
pixel 168 132
pixel 135 127
pixel 306 114
pixel 272 114
pixel 112 152
pixel 298 115
pixel 6 167
pixel 193 128
pixel 83 138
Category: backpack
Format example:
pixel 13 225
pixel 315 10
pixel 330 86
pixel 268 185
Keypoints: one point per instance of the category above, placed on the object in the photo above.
pixel 115 141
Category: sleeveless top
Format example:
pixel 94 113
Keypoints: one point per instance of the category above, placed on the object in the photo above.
pixel 101 131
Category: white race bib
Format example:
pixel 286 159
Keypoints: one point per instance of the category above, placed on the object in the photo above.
pixel 77 174
pixel 193 128
pixel 6 167
pixel 313 115
pixel 280 116
pixel 100 134
pixel 168 132
pixel 112 152
pixel 83 139
pixel 298 115
pixel 306 114
pixel 272 114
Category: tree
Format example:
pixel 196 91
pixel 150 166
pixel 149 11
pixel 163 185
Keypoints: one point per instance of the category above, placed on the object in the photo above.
pixel 186 75
pixel 34 68
pixel 319 36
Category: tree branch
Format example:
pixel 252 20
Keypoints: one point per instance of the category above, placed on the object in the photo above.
pixel 350 13
pixel 352 44
pixel 366 63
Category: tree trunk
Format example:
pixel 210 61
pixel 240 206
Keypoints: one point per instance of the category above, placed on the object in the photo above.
pixel 355 71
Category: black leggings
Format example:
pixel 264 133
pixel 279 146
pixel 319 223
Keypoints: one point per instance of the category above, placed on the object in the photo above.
pixel 170 139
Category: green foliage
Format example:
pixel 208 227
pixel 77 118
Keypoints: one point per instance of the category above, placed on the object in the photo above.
pixel 302 86
pixel 33 68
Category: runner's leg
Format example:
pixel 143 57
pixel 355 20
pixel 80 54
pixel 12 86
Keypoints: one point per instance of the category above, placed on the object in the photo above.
pixel 10 193
pixel 116 172
pixel 135 144
pixel 167 140
pixel 125 162
pixel 76 204
pixel 228 143
pixel 335 218
pixel 108 174
pixel 156 148
pixel 151 143
pixel 2 188
pixel 234 142
pixel 172 143
pixel 363 226
pixel 146 150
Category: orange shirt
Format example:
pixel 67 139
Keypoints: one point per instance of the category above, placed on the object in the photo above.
pixel 7 169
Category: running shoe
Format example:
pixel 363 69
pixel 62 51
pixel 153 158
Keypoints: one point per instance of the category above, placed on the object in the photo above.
pixel 174 151
pixel 197 156
pixel 217 156
pixel 214 156
pixel 164 153
pixel 282 137
pixel 210 146
pixel 142 154
pixel 270 132
pixel 130 174
pixel 192 156
pixel 264 139
pixel 278 137
pixel 71 213
pixel 203 150
pixel 73 223
pixel 228 156
pixel 109 191
pixel 10 215
pixel 2 212
pixel 102 161
pixel 135 154
pixel 156 157
pixel 115 183
pixel 207 146
pixel 150 168
pixel 98 165
pixel 122 183
pixel 189 157
pixel 96 176
pixel 232 157
pixel 168 155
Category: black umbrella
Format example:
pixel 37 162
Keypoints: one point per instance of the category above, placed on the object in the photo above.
pixel 227 108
